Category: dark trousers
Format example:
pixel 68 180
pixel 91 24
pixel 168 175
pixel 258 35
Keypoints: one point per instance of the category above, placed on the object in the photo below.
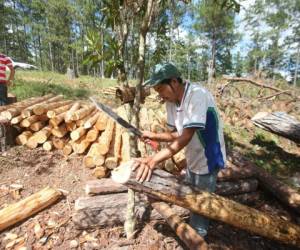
pixel 3 94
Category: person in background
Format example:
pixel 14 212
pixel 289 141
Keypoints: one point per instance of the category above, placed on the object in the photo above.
pixel 193 117
pixel 5 61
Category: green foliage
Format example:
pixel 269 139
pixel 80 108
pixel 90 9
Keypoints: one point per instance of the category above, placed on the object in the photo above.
pixel 216 24
pixel 263 149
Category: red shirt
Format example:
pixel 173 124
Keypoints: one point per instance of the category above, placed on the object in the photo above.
pixel 4 61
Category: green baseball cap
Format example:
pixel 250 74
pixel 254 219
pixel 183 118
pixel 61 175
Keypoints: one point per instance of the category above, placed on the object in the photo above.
pixel 162 72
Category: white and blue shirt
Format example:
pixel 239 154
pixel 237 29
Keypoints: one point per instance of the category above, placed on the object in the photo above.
pixel 206 150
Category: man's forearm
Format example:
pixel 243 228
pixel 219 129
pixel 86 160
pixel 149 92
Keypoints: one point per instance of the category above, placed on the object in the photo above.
pixel 169 151
pixel 166 136
pixel 12 74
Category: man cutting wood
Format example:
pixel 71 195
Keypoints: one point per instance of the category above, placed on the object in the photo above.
pixel 193 117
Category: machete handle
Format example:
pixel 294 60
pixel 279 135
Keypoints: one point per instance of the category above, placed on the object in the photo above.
pixel 154 144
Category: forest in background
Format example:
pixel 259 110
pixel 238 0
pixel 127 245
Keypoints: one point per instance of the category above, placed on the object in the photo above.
pixel 204 38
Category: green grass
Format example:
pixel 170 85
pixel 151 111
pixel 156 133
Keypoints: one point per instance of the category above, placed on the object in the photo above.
pixel 265 149
pixel 36 83
pixel 23 90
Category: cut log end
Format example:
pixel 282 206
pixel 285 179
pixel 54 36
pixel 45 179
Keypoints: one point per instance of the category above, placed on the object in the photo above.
pixel 122 173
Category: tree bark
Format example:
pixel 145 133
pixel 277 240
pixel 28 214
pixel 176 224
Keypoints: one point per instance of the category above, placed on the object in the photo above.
pixel 279 123
pixel 106 186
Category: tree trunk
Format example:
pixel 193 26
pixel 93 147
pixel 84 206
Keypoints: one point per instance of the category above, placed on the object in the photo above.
pixel 279 123
pixel 166 187
pixel 297 64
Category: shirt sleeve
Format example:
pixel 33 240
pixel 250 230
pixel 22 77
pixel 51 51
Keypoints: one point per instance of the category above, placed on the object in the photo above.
pixel 170 116
pixel 196 109
pixel 8 61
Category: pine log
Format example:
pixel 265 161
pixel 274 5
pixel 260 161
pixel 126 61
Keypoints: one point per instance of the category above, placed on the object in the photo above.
pixel 29 111
pixel 81 122
pixel 32 142
pixel 109 210
pixel 111 162
pixel 161 117
pixel 125 151
pixel 157 127
pixel 106 137
pixel 16 120
pixel 55 121
pixel 81 145
pixel 103 186
pixel 235 172
pixel 238 187
pixel 91 121
pixel 37 126
pixel 71 126
pixel 164 186
pixel 101 122
pixel 17 104
pixel 60 131
pixel 231 172
pixel 57 111
pixel 81 113
pixel 25 123
pixel 68 149
pixel 45 107
pixel 23 209
pixel 17 109
pixel 100 172
pixel 287 195
pixel 78 133
pixel 23 138
pixel 279 123
pixel 59 143
pixel 246 198
pixel 283 192
pixel 93 157
pixel 71 111
pixel 42 135
pixel 106 186
pixel 48 145
pixel 118 135
pixel 184 231
pixel 92 134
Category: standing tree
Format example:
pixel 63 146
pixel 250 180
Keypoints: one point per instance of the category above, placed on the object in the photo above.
pixel 215 20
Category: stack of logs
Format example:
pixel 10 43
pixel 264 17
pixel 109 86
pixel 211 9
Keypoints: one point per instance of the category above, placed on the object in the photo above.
pixel 74 126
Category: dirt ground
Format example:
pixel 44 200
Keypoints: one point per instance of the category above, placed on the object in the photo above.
pixel 52 228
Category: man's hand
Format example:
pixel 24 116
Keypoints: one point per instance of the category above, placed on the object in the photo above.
pixel 147 135
pixel 144 167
